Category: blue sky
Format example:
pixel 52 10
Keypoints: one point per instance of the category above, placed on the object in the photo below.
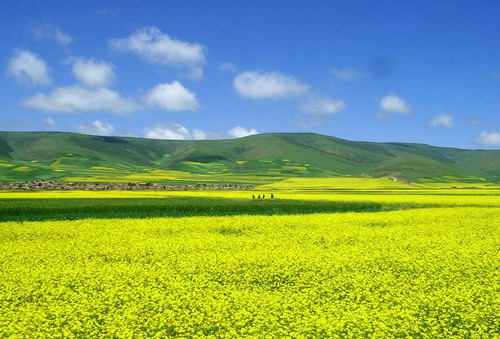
pixel 419 71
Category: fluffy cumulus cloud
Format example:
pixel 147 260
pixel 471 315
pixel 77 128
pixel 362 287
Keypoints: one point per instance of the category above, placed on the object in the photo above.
pixel 316 110
pixel 171 131
pixel 346 74
pixel 268 85
pixel 489 139
pixel 159 48
pixel 171 97
pixel 28 69
pixel 75 99
pixel 393 104
pixel 180 132
pixel 93 73
pixel 322 106
pixel 240 132
pixel 442 120
pixel 198 134
pixel 96 127
pixel 51 32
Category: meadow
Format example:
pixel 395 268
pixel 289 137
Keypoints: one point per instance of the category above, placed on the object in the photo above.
pixel 74 208
pixel 217 264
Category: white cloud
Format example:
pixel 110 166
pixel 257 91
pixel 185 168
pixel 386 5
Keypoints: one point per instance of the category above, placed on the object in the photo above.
pixel 393 104
pixel 180 132
pixel 49 123
pixel 268 85
pixel 172 97
pixel 316 110
pixel 96 127
pixel 172 131
pixel 159 48
pixel 442 120
pixel 322 106
pixel 240 132
pixel 346 74
pixel 93 73
pixel 489 139
pixel 28 69
pixel 76 99
pixel 198 134
pixel 51 32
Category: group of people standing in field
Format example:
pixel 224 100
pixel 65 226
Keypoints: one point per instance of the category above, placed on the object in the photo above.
pixel 262 197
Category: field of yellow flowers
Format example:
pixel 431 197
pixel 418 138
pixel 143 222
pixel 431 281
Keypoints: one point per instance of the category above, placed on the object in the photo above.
pixel 426 272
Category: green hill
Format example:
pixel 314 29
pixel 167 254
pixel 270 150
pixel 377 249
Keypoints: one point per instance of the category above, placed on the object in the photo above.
pixel 257 159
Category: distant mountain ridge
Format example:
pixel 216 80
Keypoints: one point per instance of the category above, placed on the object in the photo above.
pixel 65 156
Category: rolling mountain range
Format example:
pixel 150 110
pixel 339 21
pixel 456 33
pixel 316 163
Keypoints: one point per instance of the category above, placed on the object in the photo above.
pixel 253 159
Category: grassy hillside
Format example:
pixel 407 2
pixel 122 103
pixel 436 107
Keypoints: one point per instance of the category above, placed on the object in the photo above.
pixel 259 159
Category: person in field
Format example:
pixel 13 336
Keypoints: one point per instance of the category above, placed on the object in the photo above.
pixel 253 196
pixel 258 197
pixel 272 196
pixel 263 196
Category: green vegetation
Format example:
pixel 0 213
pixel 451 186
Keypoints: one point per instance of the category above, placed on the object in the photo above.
pixel 70 209
pixel 257 159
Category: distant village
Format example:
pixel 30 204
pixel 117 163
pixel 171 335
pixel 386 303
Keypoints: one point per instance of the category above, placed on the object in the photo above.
pixel 125 186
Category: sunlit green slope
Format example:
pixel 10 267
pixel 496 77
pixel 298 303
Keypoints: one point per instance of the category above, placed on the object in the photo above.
pixel 258 158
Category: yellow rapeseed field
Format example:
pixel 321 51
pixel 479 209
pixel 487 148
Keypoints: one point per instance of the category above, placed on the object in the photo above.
pixel 425 273
pixel 465 197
